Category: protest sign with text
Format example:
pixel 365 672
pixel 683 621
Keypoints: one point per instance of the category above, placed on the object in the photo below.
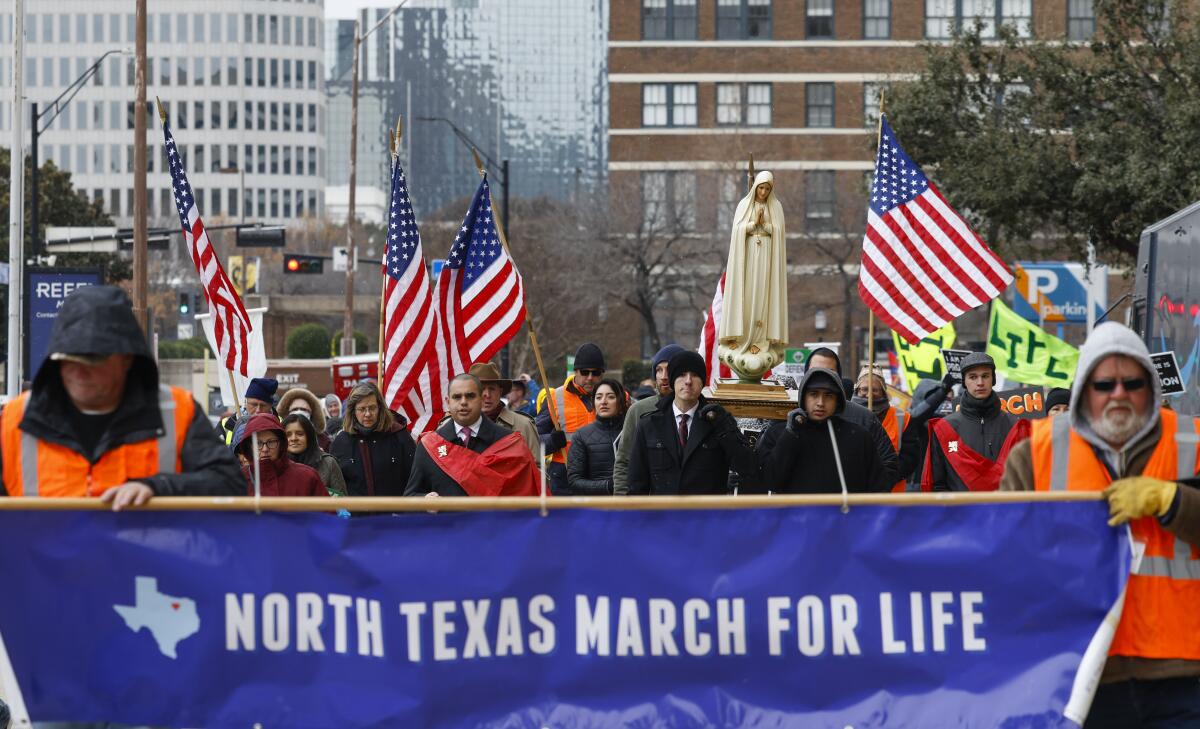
pixel 1027 354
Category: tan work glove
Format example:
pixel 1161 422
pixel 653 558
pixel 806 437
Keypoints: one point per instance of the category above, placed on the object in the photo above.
pixel 1138 496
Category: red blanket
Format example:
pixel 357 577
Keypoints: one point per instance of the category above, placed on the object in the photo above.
pixel 976 471
pixel 504 469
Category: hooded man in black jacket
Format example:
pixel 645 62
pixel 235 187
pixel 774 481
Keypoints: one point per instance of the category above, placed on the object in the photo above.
pixel 806 458
pixel 687 445
pixel 97 415
pixel 968 453
pixel 823 357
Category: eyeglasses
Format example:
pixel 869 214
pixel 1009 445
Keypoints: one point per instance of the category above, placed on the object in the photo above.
pixel 1133 384
pixel 268 444
pixel 592 373
pixel 366 409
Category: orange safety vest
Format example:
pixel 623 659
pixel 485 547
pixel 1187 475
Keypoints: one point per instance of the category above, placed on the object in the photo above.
pixel 572 415
pixel 1160 619
pixel 36 468
pixel 893 425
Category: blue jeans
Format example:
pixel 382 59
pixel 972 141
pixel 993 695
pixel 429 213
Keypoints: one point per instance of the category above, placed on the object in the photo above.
pixel 1171 703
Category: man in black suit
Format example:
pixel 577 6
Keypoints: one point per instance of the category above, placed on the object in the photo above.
pixel 448 460
pixel 687 445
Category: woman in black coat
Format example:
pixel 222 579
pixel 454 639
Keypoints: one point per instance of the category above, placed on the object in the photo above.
pixel 374 448
pixel 594 447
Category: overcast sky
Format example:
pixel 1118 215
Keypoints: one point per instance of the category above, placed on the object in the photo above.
pixel 345 8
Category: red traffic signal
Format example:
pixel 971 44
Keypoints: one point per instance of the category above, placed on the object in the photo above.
pixel 295 263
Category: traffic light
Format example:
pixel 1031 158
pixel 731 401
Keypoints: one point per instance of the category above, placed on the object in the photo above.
pixel 295 263
pixel 185 303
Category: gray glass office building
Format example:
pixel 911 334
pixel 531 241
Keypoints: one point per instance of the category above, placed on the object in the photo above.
pixel 524 79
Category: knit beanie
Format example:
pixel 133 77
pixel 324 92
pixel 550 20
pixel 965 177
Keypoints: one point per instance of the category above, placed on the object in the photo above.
pixel 262 388
pixel 665 354
pixel 589 357
pixel 686 361
pixel 1057 396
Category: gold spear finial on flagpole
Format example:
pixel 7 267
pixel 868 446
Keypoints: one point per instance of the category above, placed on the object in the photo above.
pixel 478 162
pixel 162 113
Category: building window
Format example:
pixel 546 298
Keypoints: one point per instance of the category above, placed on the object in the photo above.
pixel 668 19
pixel 818 20
pixel 654 105
pixel 731 191
pixel 743 19
pixel 818 100
pixel 819 201
pixel 877 19
pixel 670 201
pixel 871 104
pixel 944 17
pixel 671 105
pixel 748 104
pixel 1081 19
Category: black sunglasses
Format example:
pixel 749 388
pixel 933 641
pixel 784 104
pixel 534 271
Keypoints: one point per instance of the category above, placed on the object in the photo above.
pixel 1133 384
pixel 591 373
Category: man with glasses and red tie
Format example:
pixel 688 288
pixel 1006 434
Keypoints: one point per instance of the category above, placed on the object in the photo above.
pixel 572 409
pixel 469 455
pixel 1116 438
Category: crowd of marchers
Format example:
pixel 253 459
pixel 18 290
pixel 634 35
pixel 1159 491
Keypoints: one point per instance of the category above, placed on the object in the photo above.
pixel 98 423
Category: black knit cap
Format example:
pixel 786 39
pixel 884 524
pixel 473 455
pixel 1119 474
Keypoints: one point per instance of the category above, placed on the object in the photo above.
pixel 589 357
pixel 1058 396
pixel 687 361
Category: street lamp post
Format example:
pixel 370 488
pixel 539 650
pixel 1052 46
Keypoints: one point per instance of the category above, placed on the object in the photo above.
pixel 35 117
pixel 502 170
pixel 348 317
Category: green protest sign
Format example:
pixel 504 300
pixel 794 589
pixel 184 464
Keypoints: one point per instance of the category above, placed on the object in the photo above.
pixel 923 360
pixel 1025 353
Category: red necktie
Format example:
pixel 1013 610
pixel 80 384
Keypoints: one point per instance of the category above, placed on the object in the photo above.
pixel 683 430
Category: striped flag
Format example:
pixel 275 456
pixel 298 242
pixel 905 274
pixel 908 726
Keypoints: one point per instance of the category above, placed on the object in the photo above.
pixel 708 337
pixel 413 374
pixel 231 323
pixel 922 265
pixel 480 295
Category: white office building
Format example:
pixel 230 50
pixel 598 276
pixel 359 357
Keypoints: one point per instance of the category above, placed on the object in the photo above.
pixel 242 80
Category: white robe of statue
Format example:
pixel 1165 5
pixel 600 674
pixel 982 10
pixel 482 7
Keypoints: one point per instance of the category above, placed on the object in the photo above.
pixel 754 321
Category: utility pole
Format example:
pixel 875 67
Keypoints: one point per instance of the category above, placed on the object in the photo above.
pixel 348 317
pixel 352 254
pixel 140 248
pixel 16 206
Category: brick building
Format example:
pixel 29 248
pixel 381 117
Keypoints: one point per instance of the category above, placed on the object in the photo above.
pixel 697 86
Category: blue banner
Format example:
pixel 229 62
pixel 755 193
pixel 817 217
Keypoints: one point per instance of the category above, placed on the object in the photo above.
pixel 45 291
pixel 928 616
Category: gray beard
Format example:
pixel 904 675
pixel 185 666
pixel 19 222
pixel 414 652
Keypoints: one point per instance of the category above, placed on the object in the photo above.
pixel 1113 430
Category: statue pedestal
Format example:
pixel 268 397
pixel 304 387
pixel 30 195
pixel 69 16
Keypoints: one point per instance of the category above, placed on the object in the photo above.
pixel 745 400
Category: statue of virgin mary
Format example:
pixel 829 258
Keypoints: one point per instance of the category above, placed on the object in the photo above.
pixel 754 320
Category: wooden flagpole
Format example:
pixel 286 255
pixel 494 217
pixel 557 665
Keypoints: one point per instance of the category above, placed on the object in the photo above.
pixel 537 351
pixel 529 503
pixel 237 404
pixel 870 311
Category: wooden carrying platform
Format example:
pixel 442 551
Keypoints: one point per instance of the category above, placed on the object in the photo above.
pixel 744 400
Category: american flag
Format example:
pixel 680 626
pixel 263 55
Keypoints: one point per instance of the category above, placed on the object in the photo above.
pixel 922 265
pixel 481 298
pixel 231 323
pixel 708 337
pixel 413 358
